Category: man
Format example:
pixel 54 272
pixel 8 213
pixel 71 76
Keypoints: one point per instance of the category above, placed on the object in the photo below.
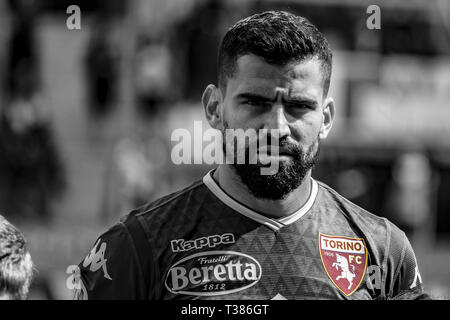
pixel 16 267
pixel 242 234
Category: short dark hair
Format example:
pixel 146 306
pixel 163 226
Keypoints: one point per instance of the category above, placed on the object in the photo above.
pixel 16 267
pixel 278 37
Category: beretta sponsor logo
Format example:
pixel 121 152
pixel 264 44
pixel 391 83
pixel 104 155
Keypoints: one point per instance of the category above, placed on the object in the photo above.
pixel 213 273
pixel 344 260
pixel 181 245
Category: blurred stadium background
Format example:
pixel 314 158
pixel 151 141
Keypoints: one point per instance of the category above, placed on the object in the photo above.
pixel 86 116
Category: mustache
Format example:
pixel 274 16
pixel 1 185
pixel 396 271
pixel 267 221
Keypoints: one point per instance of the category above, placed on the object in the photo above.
pixel 284 146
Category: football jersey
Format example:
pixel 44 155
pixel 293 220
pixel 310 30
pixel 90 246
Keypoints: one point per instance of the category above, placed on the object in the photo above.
pixel 200 243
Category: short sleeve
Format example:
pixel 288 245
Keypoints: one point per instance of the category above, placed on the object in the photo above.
pixel 407 277
pixel 111 269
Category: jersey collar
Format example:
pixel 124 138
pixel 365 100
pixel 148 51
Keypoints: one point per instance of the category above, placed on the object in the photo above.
pixel 274 224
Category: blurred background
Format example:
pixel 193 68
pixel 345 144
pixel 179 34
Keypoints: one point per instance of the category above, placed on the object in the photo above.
pixel 86 116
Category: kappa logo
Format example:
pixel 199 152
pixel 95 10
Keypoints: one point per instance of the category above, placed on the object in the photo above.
pixel 417 278
pixel 344 260
pixel 96 259
pixel 181 245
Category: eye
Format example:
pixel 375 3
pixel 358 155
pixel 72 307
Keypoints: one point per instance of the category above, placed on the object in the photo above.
pixel 299 106
pixel 256 103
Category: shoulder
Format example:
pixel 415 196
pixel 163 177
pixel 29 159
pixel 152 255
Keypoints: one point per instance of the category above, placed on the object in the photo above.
pixel 169 213
pixel 389 246
pixel 176 197
pixel 379 228
pixel 331 197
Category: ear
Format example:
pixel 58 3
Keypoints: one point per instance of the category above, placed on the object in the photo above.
pixel 212 102
pixel 328 112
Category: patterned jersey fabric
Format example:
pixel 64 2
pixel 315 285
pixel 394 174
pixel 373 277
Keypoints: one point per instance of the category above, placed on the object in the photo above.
pixel 199 243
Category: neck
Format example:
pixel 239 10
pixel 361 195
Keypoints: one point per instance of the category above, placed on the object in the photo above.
pixel 230 182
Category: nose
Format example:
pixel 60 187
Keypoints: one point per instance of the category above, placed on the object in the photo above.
pixel 277 121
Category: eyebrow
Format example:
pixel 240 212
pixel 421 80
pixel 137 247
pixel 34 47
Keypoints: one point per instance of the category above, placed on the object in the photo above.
pixel 255 96
pixel 301 100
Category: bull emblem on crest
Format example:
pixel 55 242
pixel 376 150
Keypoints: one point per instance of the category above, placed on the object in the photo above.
pixel 342 262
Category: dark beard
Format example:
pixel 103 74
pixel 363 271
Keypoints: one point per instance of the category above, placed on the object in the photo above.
pixel 288 177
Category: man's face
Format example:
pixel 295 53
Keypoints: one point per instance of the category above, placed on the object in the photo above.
pixel 288 99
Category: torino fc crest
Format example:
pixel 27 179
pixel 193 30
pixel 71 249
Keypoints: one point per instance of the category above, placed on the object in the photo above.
pixel 344 260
